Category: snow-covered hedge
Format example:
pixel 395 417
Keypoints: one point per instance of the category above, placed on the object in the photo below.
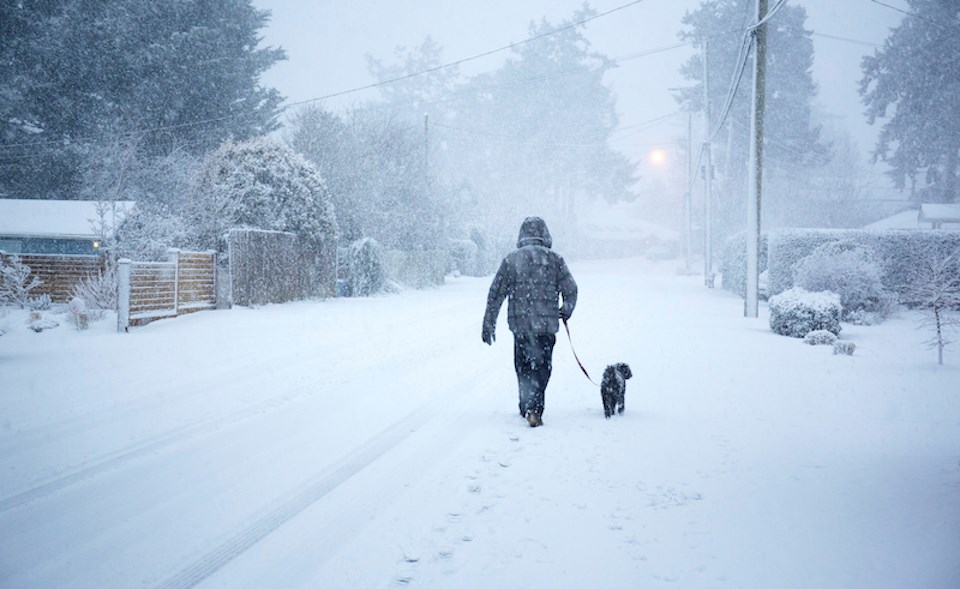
pixel 797 312
pixel 733 262
pixel 896 250
pixel 416 269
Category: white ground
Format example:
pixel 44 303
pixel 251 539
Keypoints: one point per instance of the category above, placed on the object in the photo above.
pixel 376 443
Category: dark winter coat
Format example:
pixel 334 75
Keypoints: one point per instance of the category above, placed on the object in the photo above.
pixel 533 277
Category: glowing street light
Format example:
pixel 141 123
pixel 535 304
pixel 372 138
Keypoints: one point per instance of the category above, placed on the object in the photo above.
pixel 658 157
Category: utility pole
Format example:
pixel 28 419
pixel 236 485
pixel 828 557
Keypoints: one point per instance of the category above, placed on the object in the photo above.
pixel 755 192
pixel 426 145
pixel 688 197
pixel 707 176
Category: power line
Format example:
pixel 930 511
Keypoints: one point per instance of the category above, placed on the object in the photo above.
pixel 906 12
pixel 847 40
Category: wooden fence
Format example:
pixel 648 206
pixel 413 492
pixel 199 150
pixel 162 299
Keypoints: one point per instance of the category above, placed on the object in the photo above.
pixel 59 273
pixel 153 290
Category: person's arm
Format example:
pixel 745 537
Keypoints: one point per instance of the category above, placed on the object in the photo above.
pixel 499 289
pixel 568 290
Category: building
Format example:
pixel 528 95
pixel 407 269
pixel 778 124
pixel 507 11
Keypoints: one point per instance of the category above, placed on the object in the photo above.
pixel 71 227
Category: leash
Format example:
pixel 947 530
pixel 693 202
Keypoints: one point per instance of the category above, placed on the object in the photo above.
pixel 585 373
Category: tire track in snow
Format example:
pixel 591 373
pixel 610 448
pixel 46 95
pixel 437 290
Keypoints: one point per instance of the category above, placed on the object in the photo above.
pixel 315 489
pixel 151 445
pixel 174 436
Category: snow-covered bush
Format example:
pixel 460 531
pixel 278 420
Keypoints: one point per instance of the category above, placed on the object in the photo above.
pixel 41 302
pixel 820 337
pixel 367 273
pixel 463 257
pixel 78 313
pixel 797 312
pixel 16 282
pixel 842 348
pixel 37 322
pixel 851 271
pixel 98 291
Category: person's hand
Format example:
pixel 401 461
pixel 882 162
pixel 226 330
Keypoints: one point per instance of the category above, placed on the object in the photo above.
pixel 488 335
pixel 563 314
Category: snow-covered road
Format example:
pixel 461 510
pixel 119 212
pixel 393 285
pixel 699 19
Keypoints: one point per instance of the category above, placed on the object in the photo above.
pixel 376 443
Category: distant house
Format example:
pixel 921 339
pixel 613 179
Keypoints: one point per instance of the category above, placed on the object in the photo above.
pixel 940 216
pixel 930 216
pixel 68 227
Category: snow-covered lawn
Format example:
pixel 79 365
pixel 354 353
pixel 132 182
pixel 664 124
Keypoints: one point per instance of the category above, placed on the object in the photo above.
pixel 376 443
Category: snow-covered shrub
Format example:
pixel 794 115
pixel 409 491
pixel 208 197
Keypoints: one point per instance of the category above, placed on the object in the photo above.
pixel 41 302
pixel 78 313
pixel 797 312
pixel 16 282
pixel 98 291
pixel 37 322
pixel 820 337
pixel 463 257
pixel 842 348
pixel 853 272
pixel 367 273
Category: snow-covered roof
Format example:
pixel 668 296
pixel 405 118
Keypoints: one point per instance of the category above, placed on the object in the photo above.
pixel 902 220
pixel 938 214
pixel 75 219
pixel 947 216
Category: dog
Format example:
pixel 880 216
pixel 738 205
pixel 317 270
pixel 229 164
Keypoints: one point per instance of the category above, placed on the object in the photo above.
pixel 613 388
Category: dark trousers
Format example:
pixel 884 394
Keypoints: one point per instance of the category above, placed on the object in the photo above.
pixel 533 360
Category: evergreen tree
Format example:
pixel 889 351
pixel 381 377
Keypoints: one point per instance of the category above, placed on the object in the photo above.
pixel 913 82
pixel 534 134
pixel 74 72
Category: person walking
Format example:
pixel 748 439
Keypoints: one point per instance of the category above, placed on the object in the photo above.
pixel 532 277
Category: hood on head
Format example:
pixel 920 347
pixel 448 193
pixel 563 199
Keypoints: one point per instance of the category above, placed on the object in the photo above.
pixel 534 231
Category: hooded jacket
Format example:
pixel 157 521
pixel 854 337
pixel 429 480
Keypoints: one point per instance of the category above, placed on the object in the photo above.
pixel 533 277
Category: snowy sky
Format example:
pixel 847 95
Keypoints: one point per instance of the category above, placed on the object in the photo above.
pixel 326 43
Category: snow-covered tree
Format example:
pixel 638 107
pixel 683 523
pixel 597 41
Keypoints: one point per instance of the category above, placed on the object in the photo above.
pixel 373 161
pixel 935 288
pixel 261 184
pixel 367 273
pixel 913 82
pixel 534 134
pixel 74 71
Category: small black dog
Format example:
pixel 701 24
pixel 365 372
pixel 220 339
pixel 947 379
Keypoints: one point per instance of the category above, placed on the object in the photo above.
pixel 613 387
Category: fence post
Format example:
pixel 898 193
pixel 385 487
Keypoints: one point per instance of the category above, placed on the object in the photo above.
pixel 123 294
pixel 173 255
